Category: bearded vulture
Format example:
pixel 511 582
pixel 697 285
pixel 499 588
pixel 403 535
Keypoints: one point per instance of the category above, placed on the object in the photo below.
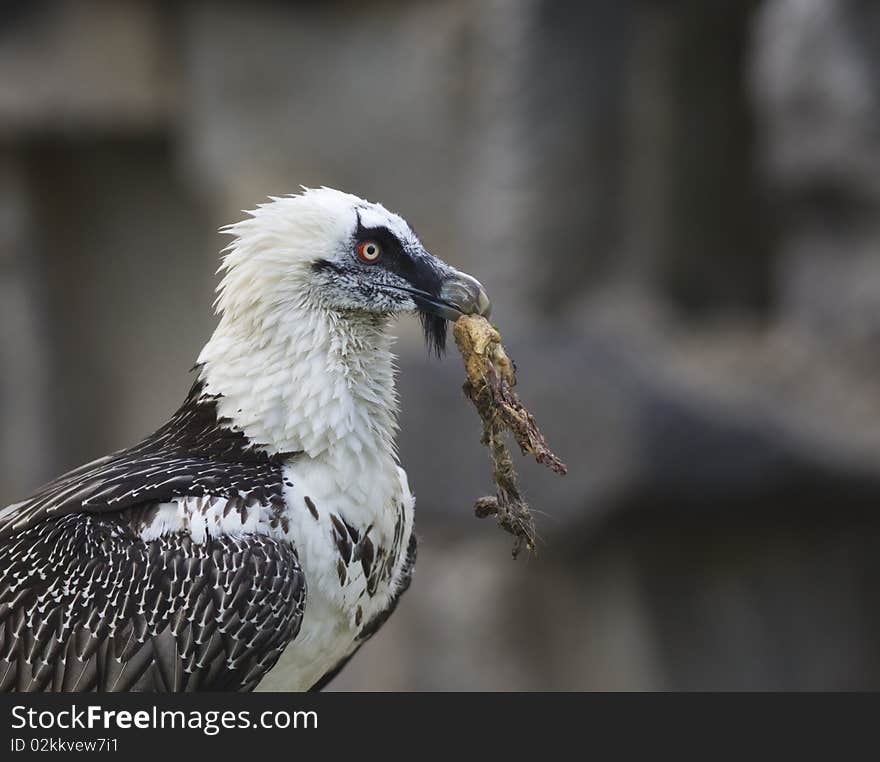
pixel 271 511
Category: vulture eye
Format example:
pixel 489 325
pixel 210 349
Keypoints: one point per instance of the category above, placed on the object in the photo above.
pixel 369 251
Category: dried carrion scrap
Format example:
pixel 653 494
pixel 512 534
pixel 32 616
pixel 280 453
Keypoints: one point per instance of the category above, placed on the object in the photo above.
pixel 491 377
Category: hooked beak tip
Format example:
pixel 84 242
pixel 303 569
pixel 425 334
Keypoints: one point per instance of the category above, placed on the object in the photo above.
pixel 465 295
pixel 484 306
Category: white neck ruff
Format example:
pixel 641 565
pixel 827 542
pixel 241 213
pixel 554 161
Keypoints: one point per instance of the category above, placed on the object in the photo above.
pixel 304 379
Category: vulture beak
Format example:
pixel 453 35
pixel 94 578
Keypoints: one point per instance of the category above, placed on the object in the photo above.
pixel 445 296
pixel 462 294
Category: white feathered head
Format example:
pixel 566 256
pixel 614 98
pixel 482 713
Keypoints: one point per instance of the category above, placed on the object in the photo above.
pixel 333 251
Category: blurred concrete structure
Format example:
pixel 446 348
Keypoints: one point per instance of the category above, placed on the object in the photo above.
pixel 674 207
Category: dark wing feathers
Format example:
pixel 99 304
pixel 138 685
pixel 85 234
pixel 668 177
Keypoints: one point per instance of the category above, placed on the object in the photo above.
pixel 195 453
pixel 85 604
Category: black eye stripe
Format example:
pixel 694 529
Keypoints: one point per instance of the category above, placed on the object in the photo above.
pixel 418 272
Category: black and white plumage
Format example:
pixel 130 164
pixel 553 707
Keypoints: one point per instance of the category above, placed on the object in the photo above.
pixel 270 515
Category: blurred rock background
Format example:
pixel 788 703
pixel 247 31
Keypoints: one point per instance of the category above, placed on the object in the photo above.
pixel 676 208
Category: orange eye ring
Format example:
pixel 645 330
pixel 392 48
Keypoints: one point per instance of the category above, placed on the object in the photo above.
pixel 369 251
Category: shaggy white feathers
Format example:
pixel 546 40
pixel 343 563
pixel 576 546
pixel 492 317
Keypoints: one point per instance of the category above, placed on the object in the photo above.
pixel 294 373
